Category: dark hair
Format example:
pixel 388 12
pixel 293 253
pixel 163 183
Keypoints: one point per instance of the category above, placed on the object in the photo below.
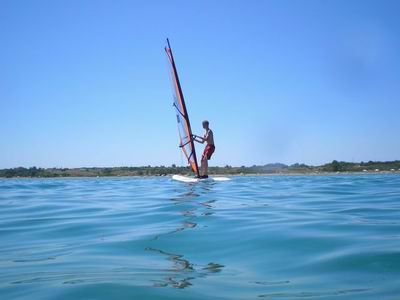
pixel 206 122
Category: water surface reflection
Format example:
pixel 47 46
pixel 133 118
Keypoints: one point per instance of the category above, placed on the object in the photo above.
pixel 190 208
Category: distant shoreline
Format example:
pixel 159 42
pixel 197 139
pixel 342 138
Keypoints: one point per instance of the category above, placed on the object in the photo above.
pixel 333 168
pixel 216 175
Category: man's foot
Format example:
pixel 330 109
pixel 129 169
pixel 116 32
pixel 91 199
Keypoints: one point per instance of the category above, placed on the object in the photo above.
pixel 204 177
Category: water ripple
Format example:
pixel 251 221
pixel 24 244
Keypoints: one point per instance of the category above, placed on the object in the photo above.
pixel 272 237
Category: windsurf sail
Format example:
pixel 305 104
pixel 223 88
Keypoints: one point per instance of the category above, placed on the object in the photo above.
pixel 185 131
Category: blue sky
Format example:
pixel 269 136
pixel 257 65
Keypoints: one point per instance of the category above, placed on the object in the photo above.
pixel 85 83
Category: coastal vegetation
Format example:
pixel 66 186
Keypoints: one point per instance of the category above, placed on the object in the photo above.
pixel 276 168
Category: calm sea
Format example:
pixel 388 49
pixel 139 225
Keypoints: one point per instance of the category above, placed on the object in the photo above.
pixel 272 237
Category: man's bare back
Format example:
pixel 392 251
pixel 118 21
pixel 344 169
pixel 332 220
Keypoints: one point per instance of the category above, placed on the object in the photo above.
pixel 209 137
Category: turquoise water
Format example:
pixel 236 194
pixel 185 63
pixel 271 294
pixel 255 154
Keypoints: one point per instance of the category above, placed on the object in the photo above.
pixel 272 237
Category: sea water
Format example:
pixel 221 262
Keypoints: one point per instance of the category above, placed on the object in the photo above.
pixel 267 237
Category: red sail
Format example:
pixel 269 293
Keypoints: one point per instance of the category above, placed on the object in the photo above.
pixel 185 131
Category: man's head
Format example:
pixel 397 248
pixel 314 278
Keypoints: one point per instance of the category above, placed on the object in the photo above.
pixel 205 124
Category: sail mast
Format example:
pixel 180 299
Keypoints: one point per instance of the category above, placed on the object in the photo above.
pixel 184 113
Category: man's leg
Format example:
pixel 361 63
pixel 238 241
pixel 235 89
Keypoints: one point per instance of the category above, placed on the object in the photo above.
pixel 204 166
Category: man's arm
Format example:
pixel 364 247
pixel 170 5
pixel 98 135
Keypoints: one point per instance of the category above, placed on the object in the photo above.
pixel 198 139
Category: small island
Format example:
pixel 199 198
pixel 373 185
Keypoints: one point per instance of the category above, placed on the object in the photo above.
pixel 340 167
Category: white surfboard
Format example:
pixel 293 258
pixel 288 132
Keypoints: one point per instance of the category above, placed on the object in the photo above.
pixel 193 179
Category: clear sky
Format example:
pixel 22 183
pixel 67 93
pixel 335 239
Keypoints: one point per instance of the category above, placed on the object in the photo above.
pixel 86 83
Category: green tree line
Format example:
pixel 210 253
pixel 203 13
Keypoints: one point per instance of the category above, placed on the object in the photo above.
pixel 276 168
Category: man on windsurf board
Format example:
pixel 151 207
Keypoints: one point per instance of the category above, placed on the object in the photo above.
pixel 208 150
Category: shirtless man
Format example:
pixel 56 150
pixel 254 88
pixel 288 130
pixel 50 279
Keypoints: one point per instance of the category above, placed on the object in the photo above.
pixel 208 150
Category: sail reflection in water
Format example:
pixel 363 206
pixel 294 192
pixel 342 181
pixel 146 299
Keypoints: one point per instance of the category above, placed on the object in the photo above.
pixel 191 209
